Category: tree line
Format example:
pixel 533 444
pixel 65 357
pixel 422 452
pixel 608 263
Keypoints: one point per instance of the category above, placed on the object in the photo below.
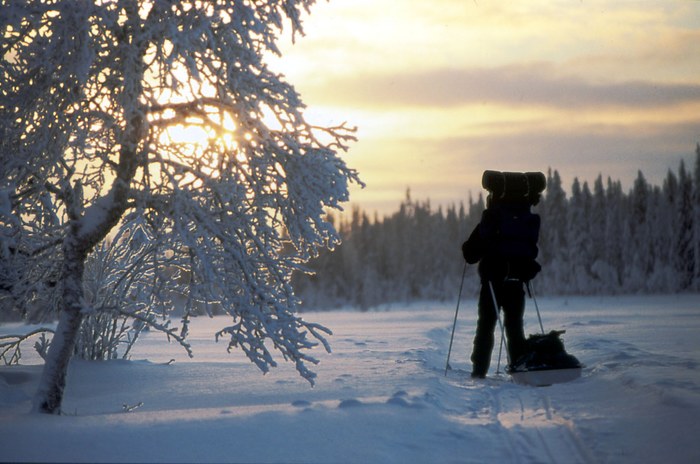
pixel 598 239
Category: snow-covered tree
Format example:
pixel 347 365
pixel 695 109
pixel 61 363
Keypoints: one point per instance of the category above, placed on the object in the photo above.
pixel 670 192
pixel 578 237
pixel 616 234
pixel 636 245
pixel 662 214
pixel 685 263
pixel 94 99
pixel 597 233
pixel 696 217
pixel 553 253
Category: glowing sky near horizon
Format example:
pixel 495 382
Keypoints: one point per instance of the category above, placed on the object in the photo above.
pixel 442 90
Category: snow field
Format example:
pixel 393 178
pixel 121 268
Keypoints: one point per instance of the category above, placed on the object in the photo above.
pixel 382 396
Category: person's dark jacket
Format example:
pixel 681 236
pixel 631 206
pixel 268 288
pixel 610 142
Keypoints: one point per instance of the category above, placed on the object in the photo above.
pixel 504 243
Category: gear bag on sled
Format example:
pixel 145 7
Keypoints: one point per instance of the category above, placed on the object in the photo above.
pixel 546 361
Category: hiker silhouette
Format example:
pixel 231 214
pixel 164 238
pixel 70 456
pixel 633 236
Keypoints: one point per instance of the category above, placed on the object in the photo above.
pixel 504 243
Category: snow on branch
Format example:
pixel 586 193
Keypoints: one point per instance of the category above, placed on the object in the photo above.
pixel 285 333
pixel 10 345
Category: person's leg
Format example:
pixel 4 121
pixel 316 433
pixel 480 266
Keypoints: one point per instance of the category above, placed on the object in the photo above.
pixel 512 298
pixel 483 340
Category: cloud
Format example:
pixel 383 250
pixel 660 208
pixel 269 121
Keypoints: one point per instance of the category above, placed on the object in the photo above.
pixel 536 84
pixel 442 90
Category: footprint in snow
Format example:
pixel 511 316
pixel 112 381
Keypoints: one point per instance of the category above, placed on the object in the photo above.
pixel 342 378
pixel 400 398
pixel 351 403
pixel 301 404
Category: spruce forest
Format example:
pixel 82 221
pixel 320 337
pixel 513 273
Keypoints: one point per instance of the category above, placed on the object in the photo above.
pixel 596 240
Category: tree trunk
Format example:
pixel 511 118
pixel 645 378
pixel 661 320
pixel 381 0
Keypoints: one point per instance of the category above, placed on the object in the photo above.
pixel 49 396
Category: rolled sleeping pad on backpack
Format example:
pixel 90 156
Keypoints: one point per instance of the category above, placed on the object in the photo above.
pixel 513 185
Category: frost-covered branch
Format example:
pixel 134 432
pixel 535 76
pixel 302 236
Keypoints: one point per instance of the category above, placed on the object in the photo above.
pixel 10 345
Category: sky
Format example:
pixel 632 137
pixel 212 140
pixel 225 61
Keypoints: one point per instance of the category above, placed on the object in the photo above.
pixel 440 91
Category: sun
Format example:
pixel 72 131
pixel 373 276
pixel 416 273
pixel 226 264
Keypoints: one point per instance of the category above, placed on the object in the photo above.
pixel 186 134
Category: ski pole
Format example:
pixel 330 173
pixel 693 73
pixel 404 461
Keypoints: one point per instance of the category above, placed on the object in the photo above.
pixel 454 324
pixel 532 294
pixel 500 324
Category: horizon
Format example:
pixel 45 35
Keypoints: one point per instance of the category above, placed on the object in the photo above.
pixel 627 187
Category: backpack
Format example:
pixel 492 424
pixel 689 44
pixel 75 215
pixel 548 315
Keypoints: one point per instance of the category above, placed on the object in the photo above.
pixel 508 234
pixel 545 351
pixel 505 241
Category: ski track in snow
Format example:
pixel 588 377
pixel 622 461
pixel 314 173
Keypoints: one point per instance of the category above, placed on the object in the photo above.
pixel 382 395
pixel 522 417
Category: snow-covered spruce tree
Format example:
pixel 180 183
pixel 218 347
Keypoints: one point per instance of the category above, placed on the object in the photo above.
pixel 685 263
pixel 696 217
pixel 91 95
